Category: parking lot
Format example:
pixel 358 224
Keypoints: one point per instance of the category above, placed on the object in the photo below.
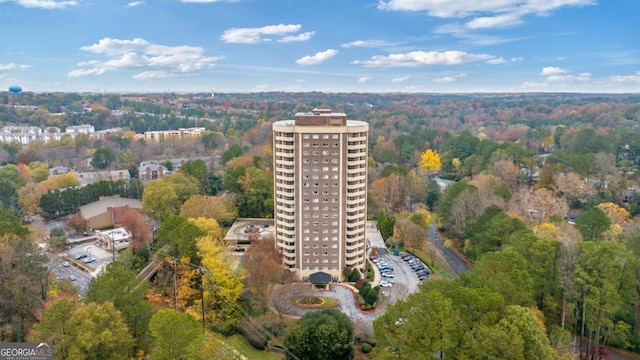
pixel 402 272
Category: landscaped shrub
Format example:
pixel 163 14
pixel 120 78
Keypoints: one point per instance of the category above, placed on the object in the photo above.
pixel 366 348
pixel 359 283
pixel 365 289
pixel 355 275
pixel 371 297
pixel 361 301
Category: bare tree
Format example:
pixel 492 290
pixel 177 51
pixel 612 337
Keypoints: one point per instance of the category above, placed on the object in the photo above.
pixel 397 292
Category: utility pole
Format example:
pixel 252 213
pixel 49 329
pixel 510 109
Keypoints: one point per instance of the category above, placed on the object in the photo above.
pixel 202 295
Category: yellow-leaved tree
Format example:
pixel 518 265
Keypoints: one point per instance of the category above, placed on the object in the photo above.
pixel 618 217
pixel 222 279
pixel 430 162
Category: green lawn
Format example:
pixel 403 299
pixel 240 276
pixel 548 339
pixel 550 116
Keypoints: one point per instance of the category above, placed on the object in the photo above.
pixel 239 343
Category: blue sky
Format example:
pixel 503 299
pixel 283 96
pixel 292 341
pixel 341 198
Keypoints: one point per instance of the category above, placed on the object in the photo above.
pixel 321 45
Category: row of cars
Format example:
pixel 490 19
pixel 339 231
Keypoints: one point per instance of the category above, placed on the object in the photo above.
pixel 386 271
pixel 416 265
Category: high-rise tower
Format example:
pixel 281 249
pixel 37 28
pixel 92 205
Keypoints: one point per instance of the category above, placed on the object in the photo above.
pixel 320 181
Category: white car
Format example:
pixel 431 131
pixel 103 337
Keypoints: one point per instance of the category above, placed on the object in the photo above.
pixel 387 275
pixel 385 284
pixel 66 264
pixel 72 277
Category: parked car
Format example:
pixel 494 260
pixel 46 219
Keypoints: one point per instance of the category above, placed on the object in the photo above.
pixel 385 284
pixel 388 275
pixel 386 268
pixel 81 256
pixel 66 264
pixel 89 260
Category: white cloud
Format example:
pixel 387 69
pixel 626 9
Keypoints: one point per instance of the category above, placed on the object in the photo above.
pixel 422 58
pixel 448 79
pixel 497 61
pixel 499 21
pixel 134 4
pixel 534 85
pixel 462 32
pixel 261 87
pixel 302 37
pixel 569 78
pixel 153 61
pixel 400 79
pixel 627 78
pixel 483 13
pixel 318 58
pixel 207 1
pixel 286 33
pixel 367 43
pixel 560 75
pixel 552 70
pixel 46 4
pixel 363 79
pixel 13 66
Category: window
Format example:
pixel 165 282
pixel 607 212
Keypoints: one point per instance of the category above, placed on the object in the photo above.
pixel 335 161
pixel 315 136
pixel 335 136
pixel 305 136
pixel 325 136
pixel 335 168
pixel 305 144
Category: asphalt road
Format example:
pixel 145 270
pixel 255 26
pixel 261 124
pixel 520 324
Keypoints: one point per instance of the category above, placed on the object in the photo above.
pixel 62 273
pixel 456 263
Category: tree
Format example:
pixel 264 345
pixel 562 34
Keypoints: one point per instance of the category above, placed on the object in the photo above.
pixel 39 171
pixel 140 230
pixel 321 335
pixel 573 188
pixel 160 200
pixel 423 324
pixel 77 223
pixel 123 289
pixel 257 193
pixel 222 277
pixel 537 206
pixel 176 334
pixel 430 162
pixel 505 272
pixel 197 169
pixel 209 207
pixel 388 194
pixel 385 225
pixel 433 194
pixel 600 276
pixel 53 326
pixel 97 331
pixel 102 158
pixel 263 265
pixel 593 223
pixel 23 279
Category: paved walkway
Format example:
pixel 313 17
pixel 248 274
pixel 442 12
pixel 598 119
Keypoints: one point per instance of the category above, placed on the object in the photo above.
pixel 281 301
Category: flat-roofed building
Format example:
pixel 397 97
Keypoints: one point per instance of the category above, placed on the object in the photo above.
pixel 320 184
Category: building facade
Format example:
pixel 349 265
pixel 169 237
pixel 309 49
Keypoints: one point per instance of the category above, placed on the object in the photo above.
pixel 320 181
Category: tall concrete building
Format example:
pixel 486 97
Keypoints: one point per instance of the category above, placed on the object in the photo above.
pixel 320 181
